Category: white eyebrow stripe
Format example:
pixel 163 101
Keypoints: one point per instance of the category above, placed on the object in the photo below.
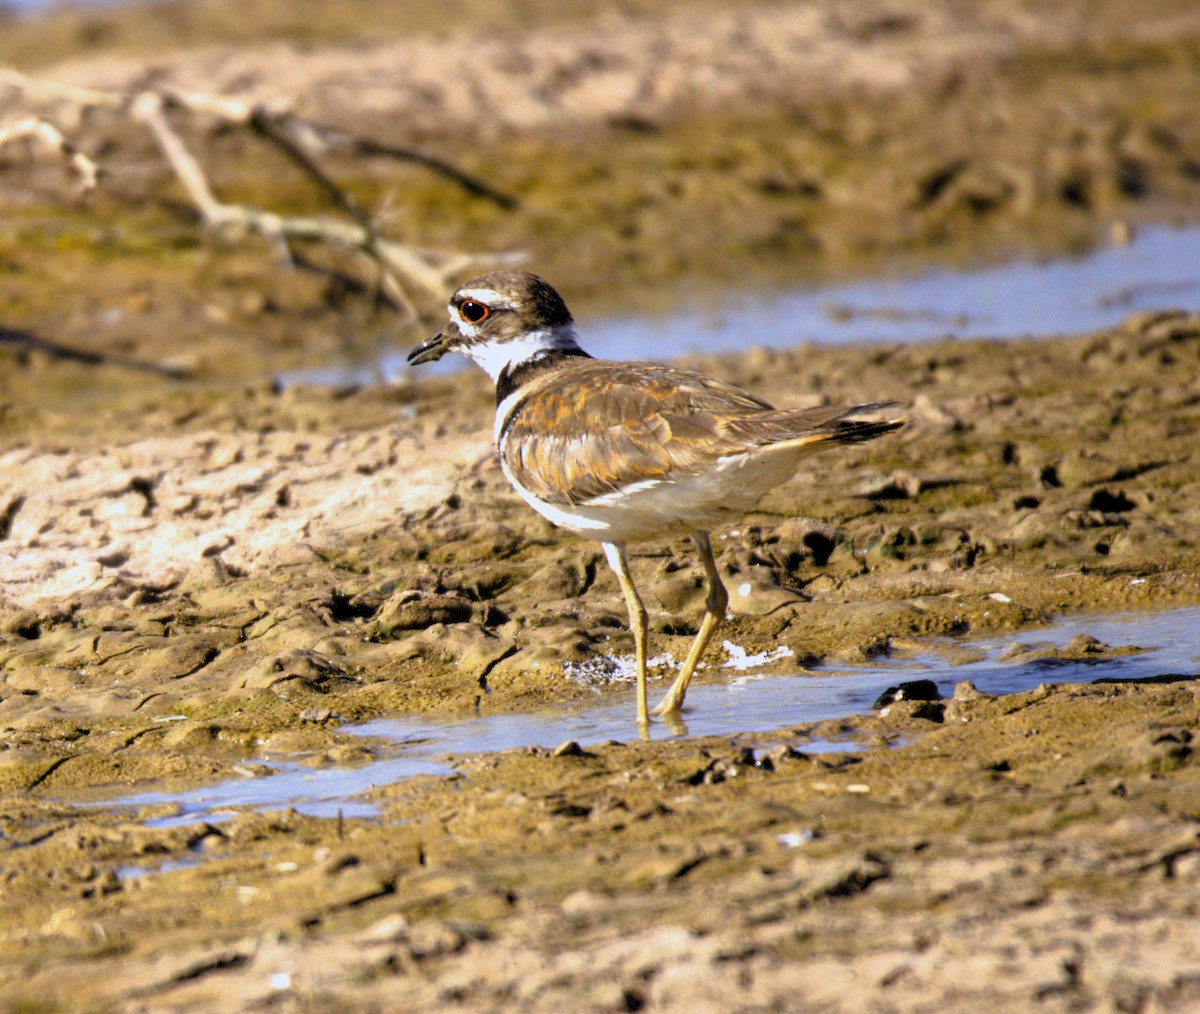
pixel 490 297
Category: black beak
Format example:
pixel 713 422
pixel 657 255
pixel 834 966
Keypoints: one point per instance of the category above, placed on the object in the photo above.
pixel 432 348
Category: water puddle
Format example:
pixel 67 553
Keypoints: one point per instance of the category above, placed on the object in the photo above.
pixel 280 784
pixel 719 705
pixel 168 866
pixel 1159 268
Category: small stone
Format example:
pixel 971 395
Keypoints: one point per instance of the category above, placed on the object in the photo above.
pixel 389 929
pixel 779 754
pixel 897 486
pixel 26 624
pixel 584 902
pixel 416 610
pixel 337 862
pixel 431 939
pixel 912 690
pixel 753 592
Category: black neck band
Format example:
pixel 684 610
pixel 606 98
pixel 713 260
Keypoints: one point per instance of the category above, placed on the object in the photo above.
pixel 516 374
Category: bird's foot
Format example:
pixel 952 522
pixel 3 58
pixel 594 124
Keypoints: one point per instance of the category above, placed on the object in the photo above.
pixel 672 704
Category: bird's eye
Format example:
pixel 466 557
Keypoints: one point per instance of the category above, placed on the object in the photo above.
pixel 473 311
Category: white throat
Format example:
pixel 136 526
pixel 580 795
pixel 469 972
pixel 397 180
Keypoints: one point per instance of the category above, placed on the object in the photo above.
pixel 495 357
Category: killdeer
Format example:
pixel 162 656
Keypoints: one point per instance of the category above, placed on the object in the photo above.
pixel 627 451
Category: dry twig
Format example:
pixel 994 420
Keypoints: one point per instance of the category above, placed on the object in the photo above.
pixel 43 130
pixel 403 272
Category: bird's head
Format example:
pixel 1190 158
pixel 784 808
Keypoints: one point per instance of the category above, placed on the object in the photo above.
pixel 501 320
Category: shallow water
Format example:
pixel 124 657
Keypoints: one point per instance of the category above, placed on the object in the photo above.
pixel 745 702
pixel 1159 267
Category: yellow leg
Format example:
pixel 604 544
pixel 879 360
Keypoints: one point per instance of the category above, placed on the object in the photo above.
pixel 714 612
pixel 638 621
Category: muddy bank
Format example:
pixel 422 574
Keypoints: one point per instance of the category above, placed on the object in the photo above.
pixel 345 546
pixel 1039 849
pixel 200 570
pixel 649 156
pixel 341 554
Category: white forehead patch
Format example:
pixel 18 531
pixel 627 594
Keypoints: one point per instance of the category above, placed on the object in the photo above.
pixel 489 297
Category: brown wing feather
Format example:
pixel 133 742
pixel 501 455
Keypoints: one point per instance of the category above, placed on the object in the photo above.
pixel 597 426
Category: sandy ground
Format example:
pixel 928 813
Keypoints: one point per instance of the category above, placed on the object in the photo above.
pixel 621 69
pixel 195 575
pixel 340 555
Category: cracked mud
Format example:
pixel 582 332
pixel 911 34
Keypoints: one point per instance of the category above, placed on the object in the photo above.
pixel 197 574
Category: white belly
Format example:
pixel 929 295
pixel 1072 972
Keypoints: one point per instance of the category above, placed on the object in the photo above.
pixel 658 507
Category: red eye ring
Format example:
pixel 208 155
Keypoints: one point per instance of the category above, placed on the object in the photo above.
pixel 473 311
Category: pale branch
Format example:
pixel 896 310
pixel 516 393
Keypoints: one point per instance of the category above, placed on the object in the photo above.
pixel 281 126
pixel 148 109
pixel 45 131
pixel 397 265
pixel 87 98
pixel 391 258
pixel 317 137
pixel 265 126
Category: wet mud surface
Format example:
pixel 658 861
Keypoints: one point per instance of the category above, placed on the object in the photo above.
pixel 201 570
pixel 1045 843
pixel 337 555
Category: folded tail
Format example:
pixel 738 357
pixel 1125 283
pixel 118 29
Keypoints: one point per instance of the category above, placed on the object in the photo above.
pixel 828 424
pixel 866 422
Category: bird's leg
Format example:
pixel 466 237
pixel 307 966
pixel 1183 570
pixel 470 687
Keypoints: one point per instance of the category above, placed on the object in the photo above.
pixel 714 612
pixel 638 621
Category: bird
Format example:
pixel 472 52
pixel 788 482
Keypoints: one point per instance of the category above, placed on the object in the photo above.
pixel 624 452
